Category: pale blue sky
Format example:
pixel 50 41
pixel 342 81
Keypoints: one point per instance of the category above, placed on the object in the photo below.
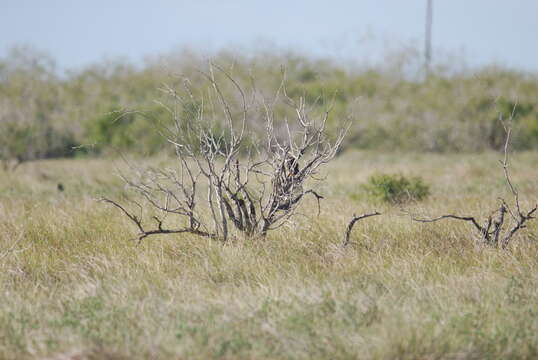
pixel 79 32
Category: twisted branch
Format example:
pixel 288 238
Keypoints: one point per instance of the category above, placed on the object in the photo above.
pixel 352 222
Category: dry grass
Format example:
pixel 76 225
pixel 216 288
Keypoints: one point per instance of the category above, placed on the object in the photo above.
pixel 75 287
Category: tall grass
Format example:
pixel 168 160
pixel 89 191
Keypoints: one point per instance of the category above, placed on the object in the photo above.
pixel 74 286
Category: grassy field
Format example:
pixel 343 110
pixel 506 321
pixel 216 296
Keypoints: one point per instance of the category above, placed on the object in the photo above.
pixel 75 285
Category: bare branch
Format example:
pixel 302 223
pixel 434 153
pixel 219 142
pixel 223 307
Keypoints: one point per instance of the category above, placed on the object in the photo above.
pixel 160 230
pixel 352 222
pixel 495 231
pixel 450 216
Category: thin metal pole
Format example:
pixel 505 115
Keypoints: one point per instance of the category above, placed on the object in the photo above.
pixel 428 37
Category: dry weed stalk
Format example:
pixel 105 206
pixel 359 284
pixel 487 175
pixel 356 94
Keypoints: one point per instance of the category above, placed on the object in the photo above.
pixel 250 187
pixel 496 230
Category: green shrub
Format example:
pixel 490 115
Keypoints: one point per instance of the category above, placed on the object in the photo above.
pixel 126 131
pixel 20 142
pixel 396 188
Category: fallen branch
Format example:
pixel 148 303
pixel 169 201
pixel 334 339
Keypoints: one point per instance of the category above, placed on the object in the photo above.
pixel 352 223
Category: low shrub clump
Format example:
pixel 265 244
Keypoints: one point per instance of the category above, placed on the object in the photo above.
pixel 396 188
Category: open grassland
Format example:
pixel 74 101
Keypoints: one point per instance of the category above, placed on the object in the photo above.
pixel 74 285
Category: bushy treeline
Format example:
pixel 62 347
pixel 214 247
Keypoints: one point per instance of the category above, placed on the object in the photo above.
pixel 45 114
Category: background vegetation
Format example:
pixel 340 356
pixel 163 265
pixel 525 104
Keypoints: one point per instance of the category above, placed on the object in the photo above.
pixel 45 114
